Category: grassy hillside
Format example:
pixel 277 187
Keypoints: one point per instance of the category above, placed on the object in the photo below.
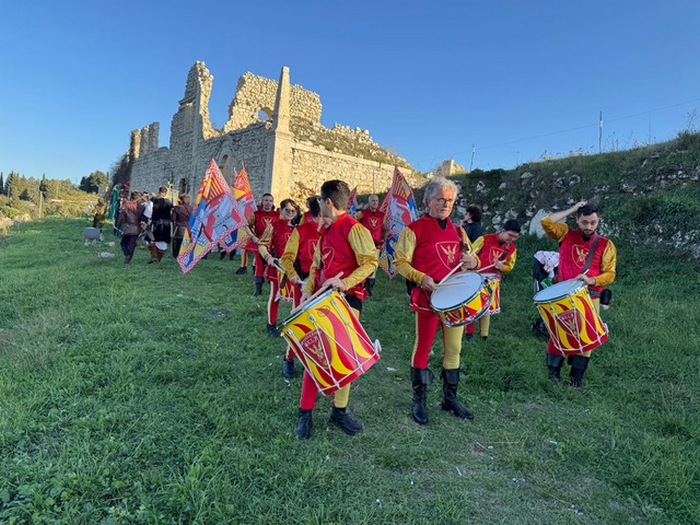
pixel 135 394
pixel 649 196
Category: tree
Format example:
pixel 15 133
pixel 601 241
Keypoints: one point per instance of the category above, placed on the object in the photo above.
pixel 2 184
pixel 11 189
pixel 92 182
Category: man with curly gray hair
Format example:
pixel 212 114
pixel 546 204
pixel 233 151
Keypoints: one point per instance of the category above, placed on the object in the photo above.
pixel 428 249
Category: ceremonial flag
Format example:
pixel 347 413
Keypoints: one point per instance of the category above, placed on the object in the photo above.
pixel 399 207
pixel 243 195
pixel 215 214
pixel 353 201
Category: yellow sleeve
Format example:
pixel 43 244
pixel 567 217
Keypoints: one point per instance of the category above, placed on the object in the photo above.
pixel 265 239
pixel 290 254
pixel 608 264
pixel 361 242
pixel 403 256
pixel 509 263
pixel 477 246
pixel 555 230
pixel 315 265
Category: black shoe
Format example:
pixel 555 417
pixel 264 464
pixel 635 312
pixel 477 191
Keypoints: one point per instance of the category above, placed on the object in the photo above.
pixel 340 417
pixel 468 337
pixel 241 271
pixel 258 286
pixel 303 430
pixel 288 369
pixel 272 331
pixel 222 254
pixel 484 337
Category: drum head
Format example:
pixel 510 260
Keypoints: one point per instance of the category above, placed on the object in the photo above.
pixel 457 289
pixel 558 291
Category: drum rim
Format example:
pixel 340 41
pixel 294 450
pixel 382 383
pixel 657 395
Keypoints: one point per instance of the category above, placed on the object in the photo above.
pixel 573 290
pixel 316 300
pixel 466 301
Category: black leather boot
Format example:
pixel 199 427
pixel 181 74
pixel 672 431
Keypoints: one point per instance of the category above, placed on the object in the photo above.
pixel 450 383
pixel 420 378
pixel 578 364
pixel 288 369
pixel 258 286
pixel 303 430
pixel 340 417
pixel 554 363
pixel 241 271
pixel 369 285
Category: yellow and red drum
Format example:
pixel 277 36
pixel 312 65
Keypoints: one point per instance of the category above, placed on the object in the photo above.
pixel 572 322
pixel 330 342
pixel 461 298
pixel 493 280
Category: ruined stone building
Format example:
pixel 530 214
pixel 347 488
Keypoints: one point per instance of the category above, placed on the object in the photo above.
pixel 275 129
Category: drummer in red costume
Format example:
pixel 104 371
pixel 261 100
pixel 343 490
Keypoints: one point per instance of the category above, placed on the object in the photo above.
pixel 296 261
pixel 427 250
pixel 344 258
pixel 271 248
pixel 372 219
pixel 596 270
pixel 257 222
pixel 497 254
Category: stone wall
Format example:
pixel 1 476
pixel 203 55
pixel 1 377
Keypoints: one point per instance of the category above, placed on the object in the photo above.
pixel 313 166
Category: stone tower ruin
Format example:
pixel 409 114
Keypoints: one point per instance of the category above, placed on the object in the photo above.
pixel 274 129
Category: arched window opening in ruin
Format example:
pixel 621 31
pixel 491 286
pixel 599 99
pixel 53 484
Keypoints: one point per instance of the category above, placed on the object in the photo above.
pixel 264 114
pixel 182 186
pixel 225 167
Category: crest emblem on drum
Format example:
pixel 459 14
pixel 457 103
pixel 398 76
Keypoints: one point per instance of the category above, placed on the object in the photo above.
pixel 570 321
pixel 579 254
pixel 447 252
pixel 313 344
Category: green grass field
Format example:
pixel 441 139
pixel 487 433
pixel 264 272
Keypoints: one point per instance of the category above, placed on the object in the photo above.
pixel 136 394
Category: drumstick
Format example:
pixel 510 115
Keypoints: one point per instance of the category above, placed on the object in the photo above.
pixel 318 292
pixel 449 274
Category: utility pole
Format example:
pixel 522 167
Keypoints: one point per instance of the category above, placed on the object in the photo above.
pixel 41 203
pixel 600 133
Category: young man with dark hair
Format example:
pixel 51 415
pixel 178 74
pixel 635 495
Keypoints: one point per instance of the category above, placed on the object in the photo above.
pixel 497 254
pixel 596 269
pixel 345 256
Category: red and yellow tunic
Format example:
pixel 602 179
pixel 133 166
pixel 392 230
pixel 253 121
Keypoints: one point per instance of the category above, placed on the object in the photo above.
pixel 573 252
pixel 344 246
pixel 299 252
pixel 426 248
pixel 257 222
pixel 374 222
pixel 273 242
pixel 489 250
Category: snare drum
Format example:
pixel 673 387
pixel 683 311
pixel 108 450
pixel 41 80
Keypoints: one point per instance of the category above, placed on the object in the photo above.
pixel 330 342
pixel 573 324
pixel 494 282
pixel 461 298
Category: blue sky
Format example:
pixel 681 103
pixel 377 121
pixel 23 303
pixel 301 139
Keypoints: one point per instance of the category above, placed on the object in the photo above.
pixel 428 79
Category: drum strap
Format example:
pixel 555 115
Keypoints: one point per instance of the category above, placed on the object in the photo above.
pixel 591 253
pixel 505 253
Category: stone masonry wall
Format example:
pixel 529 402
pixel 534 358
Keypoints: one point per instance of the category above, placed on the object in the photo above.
pixel 255 93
